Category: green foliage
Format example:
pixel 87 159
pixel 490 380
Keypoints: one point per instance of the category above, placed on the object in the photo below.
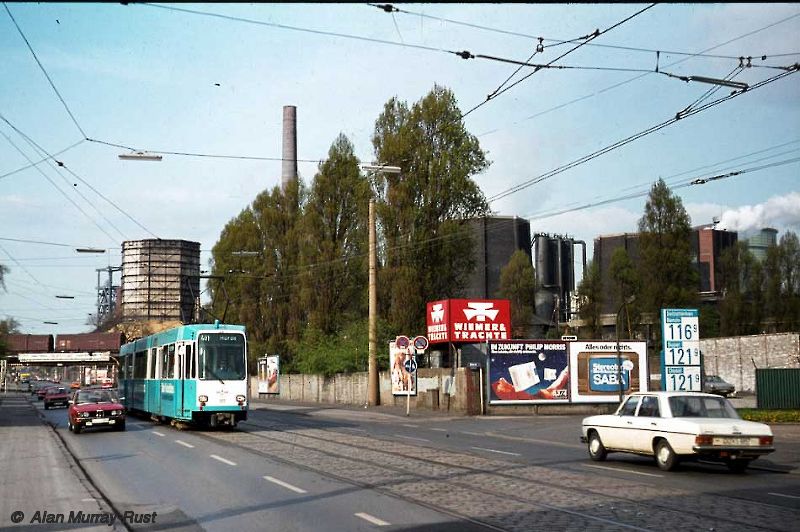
pixel 770 416
pixel 428 251
pixel 783 282
pixel 517 283
pixel 344 352
pixel 7 326
pixel 625 277
pixel 742 309
pixel 3 271
pixel 590 293
pixel 667 271
pixel 334 242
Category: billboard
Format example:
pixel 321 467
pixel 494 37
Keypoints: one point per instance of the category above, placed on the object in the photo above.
pixel 269 375
pixel 403 382
pixel 596 375
pixel 468 320
pixel 528 371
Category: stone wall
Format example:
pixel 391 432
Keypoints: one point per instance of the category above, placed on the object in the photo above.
pixel 437 389
pixel 735 359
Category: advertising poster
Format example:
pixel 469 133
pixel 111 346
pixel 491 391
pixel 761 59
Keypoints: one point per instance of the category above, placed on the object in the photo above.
pixel 403 382
pixel 269 375
pixel 528 371
pixel 596 375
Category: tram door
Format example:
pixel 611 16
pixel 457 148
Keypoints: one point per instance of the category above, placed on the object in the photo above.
pixel 183 370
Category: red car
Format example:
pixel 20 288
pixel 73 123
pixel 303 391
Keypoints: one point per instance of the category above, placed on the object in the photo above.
pixel 42 390
pixel 55 395
pixel 95 408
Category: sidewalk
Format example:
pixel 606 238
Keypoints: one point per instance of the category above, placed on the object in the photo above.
pixel 39 475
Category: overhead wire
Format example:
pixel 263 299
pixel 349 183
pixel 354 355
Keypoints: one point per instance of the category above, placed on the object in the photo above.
pixel 79 178
pixel 588 39
pixel 44 71
pixel 636 78
pixel 40 161
pixel 556 41
pixel 618 144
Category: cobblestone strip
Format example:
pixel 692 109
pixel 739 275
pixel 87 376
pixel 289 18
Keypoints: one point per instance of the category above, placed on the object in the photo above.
pixel 707 507
pixel 504 494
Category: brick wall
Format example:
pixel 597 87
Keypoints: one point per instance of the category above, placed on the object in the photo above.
pixel 735 358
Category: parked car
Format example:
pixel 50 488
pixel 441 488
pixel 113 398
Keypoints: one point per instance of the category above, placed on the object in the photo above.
pixel 74 385
pixel 55 395
pixel 676 426
pixel 715 384
pixel 91 408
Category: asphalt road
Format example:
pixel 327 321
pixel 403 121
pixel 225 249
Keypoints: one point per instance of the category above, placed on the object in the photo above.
pixel 303 468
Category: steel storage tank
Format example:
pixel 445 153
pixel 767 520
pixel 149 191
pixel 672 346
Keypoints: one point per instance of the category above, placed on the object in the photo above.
pixel 160 279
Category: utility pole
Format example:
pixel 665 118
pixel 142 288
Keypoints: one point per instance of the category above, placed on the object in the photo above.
pixel 372 378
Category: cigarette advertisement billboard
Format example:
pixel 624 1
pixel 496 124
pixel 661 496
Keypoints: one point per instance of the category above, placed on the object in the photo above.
pixel 528 371
pixel 598 374
pixel 269 375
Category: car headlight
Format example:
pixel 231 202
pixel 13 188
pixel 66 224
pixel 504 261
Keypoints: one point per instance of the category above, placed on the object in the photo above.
pixel 83 414
pixel 116 412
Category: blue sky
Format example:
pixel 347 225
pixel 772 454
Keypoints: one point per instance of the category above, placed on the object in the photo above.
pixel 159 79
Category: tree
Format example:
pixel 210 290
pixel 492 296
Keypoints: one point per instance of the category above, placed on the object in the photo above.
pixel 668 275
pixel 782 271
pixel 742 308
pixel 517 283
pixel 626 284
pixel 423 211
pixel 334 242
pixel 590 294
pixel 3 271
pixel 7 326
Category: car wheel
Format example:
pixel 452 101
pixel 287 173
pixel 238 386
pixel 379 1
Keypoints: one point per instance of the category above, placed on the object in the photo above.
pixel 738 466
pixel 597 450
pixel 76 429
pixel 666 458
pixel 46 406
pixel 120 426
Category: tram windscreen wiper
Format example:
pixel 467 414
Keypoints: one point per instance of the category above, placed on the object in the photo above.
pixel 215 375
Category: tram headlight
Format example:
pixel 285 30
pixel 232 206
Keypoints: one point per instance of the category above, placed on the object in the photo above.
pixel 203 398
pixel 240 398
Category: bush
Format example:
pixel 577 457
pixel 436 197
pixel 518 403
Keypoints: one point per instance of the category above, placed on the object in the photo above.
pixel 770 416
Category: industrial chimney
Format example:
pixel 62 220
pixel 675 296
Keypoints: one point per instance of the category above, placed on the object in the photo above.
pixel 289 166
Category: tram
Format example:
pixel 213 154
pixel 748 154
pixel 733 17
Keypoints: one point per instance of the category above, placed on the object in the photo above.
pixel 191 373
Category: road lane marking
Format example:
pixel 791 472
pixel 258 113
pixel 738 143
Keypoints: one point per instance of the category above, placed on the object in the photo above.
pixel 189 445
pixel 223 460
pixel 439 430
pixel 784 495
pixel 496 451
pixel 624 470
pixel 354 429
pixel 88 500
pixel 473 433
pixel 410 437
pixel 284 484
pixel 372 519
pixel 158 433
pixel 412 426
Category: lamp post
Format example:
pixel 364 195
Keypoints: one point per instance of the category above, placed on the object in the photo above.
pixel 624 304
pixel 139 156
pixel 373 395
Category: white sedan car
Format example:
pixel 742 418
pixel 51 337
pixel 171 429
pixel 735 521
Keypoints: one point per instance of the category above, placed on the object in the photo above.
pixel 675 426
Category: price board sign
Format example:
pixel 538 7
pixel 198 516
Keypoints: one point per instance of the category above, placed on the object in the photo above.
pixel 681 360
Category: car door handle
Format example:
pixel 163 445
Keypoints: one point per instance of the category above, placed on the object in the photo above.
pixel 653 424
pixel 630 422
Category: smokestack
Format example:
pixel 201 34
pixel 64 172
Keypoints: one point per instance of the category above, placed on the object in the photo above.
pixel 289 166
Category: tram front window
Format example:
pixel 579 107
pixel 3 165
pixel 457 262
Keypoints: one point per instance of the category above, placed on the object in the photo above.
pixel 221 356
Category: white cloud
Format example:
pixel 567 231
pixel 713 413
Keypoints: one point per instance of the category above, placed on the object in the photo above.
pixel 779 212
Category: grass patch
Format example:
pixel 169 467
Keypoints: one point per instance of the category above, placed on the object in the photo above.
pixel 770 416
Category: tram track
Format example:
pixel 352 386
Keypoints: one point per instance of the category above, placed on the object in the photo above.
pixel 510 495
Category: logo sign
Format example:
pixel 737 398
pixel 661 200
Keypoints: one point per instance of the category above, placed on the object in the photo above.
pixel 681 360
pixel 468 320
pixel 410 365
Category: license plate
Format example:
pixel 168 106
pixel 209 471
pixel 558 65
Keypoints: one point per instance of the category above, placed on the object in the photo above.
pixel 736 441
pixel 100 420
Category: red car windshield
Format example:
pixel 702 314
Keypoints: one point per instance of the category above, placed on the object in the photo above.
pixel 94 397
pixel 56 391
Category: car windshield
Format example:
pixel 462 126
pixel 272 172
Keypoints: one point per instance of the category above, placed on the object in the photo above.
pixel 713 378
pixel 54 391
pixel 701 406
pixel 95 397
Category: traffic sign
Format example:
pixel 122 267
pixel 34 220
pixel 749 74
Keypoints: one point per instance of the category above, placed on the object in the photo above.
pixel 420 343
pixel 410 365
pixel 402 342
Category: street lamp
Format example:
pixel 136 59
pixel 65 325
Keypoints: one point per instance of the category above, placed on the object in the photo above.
pixel 373 394
pixel 624 304
pixel 139 156
pixel 90 250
